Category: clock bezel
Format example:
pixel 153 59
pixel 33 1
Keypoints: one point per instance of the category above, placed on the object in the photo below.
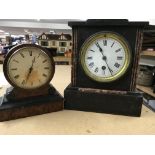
pixel 105 34
pixel 13 51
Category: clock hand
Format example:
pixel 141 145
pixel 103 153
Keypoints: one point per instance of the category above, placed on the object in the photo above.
pixel 30 69
pixel 105 59
pixel 111 71
pixel 33 61
pixel 28 75
pixel 100 49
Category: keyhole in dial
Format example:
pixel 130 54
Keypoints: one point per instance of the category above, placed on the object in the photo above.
pixel 103 67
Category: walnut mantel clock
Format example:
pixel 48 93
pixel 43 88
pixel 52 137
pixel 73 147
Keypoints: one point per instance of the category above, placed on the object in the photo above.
pixel 104 67
pixel 29 69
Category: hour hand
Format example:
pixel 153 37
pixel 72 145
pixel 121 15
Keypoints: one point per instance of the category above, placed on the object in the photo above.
pixel 100 49
pixel 33 61
pixel 30 70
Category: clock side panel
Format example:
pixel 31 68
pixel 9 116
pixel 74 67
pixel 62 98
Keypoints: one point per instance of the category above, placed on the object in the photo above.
pixel 80 79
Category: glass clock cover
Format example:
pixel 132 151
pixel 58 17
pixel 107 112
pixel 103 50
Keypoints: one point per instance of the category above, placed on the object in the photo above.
pixel 105 56
pixel 29 68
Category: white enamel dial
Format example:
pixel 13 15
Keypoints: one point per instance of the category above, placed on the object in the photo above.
pixel 29 68
pixel 105 57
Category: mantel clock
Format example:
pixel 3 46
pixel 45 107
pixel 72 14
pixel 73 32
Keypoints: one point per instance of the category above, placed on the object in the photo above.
pixel 29 69
pixel 104 67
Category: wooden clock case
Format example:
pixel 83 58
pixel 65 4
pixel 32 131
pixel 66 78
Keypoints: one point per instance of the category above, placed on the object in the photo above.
pixel 117 97
pixel 19 103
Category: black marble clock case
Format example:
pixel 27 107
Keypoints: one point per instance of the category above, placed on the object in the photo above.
pixel 118 97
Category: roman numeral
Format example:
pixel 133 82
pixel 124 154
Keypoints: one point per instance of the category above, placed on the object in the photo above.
pixel 23 82
pixel 103 72
pixel 16 77
pixel 105 42
pixel 112 44
pixel 15 61
pixel 31 83
pixel 30 52
pixel 39 55
pixel 117 65
pixel 91 64
pixel 46 68
pixel 97 44
pixel 119 57
pixel 89 58
pixel 44 75
pixel 13 69
pixel 92 50
pixel 96 70
pixel 118 50
pixel 44 60
pixel 22 55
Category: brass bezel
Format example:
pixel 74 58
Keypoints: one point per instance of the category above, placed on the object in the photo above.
pixel 103 35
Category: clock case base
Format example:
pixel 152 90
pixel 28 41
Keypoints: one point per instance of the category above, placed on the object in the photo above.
pixel 31 106
pixel 95 100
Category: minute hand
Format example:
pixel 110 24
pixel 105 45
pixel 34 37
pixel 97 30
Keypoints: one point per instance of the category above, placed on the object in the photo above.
pixel 30 69
pixel 104 57
pixel 111 71
pixel 33 62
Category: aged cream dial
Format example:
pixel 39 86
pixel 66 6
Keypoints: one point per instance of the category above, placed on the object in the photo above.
pixel 29 67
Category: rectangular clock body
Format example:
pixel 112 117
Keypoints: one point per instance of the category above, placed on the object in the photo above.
pixel 86 92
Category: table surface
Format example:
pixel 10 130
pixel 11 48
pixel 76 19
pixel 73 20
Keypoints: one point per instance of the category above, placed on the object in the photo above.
pixel 76 122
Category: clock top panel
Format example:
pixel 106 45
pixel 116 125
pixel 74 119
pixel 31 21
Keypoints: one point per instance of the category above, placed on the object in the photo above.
pixel 108 22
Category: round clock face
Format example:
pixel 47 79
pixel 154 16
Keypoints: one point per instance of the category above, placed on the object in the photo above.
pixel 28 67
pixel 105 57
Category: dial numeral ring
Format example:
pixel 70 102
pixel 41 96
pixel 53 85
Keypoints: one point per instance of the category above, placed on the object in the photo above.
pixel 105 49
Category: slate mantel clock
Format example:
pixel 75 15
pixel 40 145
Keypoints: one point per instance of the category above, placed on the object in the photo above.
pixel 29 69
pixel 104 67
